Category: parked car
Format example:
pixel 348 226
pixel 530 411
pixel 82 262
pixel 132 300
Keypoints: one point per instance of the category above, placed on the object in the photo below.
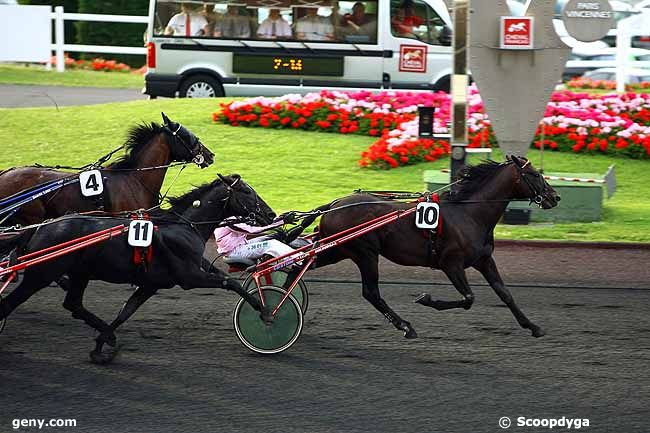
pixel 599 55
pixel 634 76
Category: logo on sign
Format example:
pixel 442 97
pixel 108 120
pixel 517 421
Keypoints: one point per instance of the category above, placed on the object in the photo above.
pixel 517 33
pixel 412 58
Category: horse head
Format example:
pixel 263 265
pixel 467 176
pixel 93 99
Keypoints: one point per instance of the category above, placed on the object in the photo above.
pixel 184 145
pixel 243 200
pixel 532 185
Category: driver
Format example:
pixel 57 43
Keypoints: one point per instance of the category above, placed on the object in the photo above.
pixel 243 240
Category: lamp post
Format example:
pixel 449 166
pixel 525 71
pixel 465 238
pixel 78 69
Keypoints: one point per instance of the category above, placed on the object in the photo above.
pixel 459 81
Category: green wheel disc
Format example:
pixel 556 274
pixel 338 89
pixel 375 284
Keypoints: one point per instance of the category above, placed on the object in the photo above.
pixel 278 279
pixel 269 338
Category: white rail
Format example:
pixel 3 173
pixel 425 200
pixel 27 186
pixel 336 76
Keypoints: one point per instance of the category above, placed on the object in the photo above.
pixel 60 47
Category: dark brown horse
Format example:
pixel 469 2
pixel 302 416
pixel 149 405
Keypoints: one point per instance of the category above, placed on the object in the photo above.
pixel 126 185
pixel 469 213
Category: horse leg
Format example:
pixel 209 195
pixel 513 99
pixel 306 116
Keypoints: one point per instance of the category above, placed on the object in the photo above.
pixel 139 297
pixel 369 268
pixel 459 280
pixel 19 295
pixel 488 268
pixel 73 302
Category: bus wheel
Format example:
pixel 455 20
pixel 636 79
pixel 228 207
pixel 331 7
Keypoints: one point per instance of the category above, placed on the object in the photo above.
pixel 200 86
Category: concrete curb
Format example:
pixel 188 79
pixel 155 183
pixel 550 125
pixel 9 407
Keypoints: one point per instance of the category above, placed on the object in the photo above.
pixel 573 244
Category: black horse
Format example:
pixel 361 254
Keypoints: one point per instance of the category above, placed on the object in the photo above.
pixel 130 183
pixel 469 213
pixel 177 244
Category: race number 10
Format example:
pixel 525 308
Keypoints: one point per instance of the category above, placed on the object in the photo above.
pixel 426 215
pixel 91 183
pixel 140 233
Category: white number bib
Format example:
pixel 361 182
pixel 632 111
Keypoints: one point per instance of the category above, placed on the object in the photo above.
pixel 140 233
pixel 91 183
pixel 426 215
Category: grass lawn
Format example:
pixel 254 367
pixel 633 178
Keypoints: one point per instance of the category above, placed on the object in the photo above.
pixel 37 75
pixel 295 170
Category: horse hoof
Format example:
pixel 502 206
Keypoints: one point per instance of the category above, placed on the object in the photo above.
pixel 537 331
pixel 410 334
pixel 423 299
pixel 267 316
pixel 101 358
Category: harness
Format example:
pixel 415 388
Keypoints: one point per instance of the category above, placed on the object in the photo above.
pixel 142 256
pixel 432 235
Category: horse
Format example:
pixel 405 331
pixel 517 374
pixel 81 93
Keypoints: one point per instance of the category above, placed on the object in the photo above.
pixel 177 250
pixel 131 182
pixel 469 213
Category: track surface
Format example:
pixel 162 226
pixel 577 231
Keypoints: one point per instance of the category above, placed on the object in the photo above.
pixel 182 369
pixel 21 95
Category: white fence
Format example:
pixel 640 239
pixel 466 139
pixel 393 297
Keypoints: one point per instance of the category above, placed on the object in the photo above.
pixel 60 47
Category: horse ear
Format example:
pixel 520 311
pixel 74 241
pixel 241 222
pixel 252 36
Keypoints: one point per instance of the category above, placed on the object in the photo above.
pixel 165 118
pixel 515 160
pixel 223 179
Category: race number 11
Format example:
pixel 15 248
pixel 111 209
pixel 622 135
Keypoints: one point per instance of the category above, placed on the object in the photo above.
pixel 91 183
pixel 140 233
pixel 426 215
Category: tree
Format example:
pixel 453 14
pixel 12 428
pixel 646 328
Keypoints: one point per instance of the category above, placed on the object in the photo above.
pixel 124 34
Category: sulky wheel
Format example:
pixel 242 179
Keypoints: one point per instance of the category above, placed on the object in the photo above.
pixel 278 278
pixel 270 338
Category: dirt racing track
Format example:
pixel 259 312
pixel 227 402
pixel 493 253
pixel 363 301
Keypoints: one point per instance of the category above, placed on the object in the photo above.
pixel 182 369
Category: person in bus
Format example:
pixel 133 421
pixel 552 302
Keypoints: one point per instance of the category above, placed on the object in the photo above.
pixel 274 27
pixel 313 27
pixel 405 20
pixel 233 25
pixel 186 23
pixel 210 16
pixel 358 23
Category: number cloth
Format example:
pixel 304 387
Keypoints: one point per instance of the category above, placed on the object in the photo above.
pixel 434 198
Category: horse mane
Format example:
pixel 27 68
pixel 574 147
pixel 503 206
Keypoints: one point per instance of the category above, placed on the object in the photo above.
pixel 472 178
pixel 136 140
pixel 181 203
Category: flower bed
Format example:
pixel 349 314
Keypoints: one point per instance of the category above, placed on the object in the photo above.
pixel 574 122
pixel 98 64
pixel 587 84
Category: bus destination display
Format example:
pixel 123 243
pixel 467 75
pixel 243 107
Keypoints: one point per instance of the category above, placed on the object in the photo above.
pixel 287 65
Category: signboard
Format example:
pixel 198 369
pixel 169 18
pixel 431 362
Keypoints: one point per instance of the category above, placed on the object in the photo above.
pixel 26 33
pixel 287 65
pixel 412 58
pixel 517 33
pixel 588 21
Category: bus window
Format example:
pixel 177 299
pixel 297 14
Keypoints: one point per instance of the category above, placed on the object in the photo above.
pixel 313 24
pixel 274 24
pixel 415 19
pixel 357 22
pixel 180 19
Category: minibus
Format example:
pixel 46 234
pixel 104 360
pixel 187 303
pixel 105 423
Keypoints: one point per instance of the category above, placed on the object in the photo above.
pixel 274 47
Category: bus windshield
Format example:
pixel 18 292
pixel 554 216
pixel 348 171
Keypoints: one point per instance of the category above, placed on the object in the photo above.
pixel 282 20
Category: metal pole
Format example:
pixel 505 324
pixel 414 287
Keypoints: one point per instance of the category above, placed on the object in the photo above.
pixel 59 38
pixel 459 81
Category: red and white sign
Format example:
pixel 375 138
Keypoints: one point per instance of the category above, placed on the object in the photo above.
pixel 412 58
pixel 517 33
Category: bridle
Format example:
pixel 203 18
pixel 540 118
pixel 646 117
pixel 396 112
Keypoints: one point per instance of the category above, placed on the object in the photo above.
pixel 197 157
pixel 252 214
pixel 537 196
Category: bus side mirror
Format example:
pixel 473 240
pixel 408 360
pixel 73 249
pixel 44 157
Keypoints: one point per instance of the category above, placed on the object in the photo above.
pixel 445 36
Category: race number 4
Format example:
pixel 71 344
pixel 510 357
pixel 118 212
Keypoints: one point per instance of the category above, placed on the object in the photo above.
pixel 140 233
pixel 91 183
pixel 426 215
